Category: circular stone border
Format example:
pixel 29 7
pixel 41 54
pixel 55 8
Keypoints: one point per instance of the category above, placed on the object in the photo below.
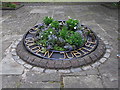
pixel 70 70
pixel 60 64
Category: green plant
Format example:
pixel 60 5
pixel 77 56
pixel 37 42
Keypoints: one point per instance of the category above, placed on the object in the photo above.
pixel 44 36
pixel 13 5
pixel 75 39
pixel 42 42
pixel 46 33
pixel 55 24
pixel 60 41
pixel 116 4
pixel 58 37
pixel 72 24
pixel 71 37
pixel 8 4
pixel 58 48
pixel 63 33
pixel 40 27
pixel 47 20
pixel 88 32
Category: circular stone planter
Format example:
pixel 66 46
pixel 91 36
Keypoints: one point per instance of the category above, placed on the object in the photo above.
pixel 90 52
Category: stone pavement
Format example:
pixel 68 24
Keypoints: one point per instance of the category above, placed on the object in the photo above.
pixel 15 23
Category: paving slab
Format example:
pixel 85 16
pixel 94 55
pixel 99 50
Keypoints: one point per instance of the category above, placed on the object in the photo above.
pixel 39 11
pixel 109 81
pixel 40 85
pixel 11 81
pixel 109 73
pixel 90 81
pixel 9 66
pixel 84 73
pixel 41 77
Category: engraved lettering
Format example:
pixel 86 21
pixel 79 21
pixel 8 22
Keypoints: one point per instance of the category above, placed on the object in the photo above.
pixel 76 53
pixel 32 31
pixel 35 49
pixel 89 43
pixel 80 49
pixel 29 39
pixel 30 44
pixel 63 54
pixel 48 53
pixel 69 56
pixel 87 49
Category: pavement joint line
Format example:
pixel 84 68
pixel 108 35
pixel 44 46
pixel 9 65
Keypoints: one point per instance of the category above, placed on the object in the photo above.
pixel 24 74
pixel 44 70
pixel 50 81
pixel 61 82
pixel 70 75
pixel 101 78
pixel 8 49
pixel 104 30
pixel 4 19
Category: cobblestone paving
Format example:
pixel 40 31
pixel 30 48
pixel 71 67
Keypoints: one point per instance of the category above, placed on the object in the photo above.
pixel 15 24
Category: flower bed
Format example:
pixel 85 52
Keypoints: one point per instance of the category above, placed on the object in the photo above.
pixel 60 35
pixel 10 5
pixel 60 39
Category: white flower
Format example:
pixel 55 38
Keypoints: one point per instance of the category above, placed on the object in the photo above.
pixel 75 28
pixel 51 32
pixel 69 17
pixel 41 36
pixel 53 28
pixel 60 23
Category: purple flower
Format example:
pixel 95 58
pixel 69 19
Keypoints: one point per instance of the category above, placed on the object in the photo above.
pixel 49 47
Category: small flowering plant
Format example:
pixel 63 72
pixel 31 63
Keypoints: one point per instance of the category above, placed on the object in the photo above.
pixel 55 24
pixel 72 24
pixel 60 35
pixel 10 5
pixel 47 20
